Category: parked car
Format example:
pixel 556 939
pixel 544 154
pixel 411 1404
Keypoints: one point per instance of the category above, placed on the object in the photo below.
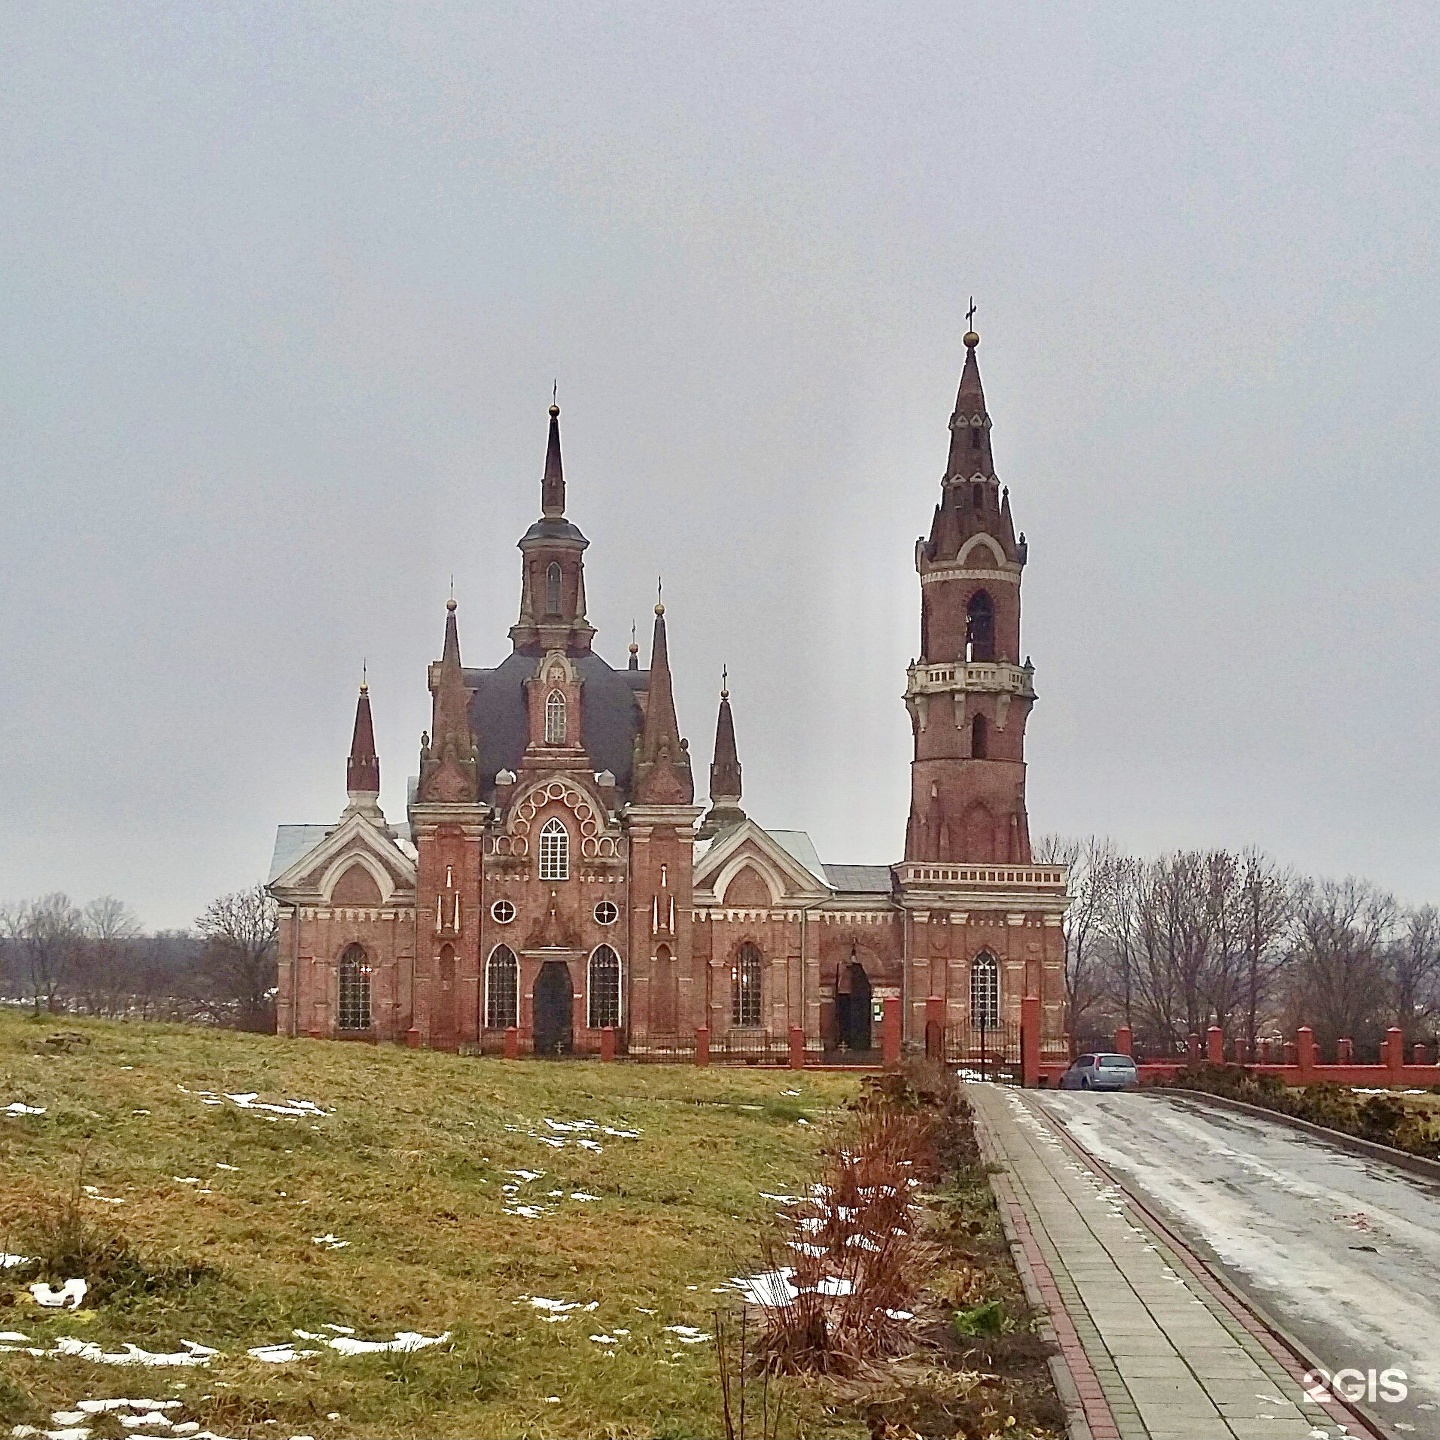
pixel 1101 1072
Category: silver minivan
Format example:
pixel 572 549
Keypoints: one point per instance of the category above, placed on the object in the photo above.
pixel 1101 1072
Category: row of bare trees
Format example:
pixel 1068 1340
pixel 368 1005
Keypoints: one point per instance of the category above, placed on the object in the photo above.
pixel 1173 944
pixel 96 959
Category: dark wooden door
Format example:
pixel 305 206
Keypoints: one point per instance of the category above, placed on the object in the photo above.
pixel 552 1009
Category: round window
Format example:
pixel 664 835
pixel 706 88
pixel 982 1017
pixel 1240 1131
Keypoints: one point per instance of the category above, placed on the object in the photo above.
pixel 503 912
pixel 606 912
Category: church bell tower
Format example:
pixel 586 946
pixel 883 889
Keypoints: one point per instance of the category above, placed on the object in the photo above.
pixel 969 694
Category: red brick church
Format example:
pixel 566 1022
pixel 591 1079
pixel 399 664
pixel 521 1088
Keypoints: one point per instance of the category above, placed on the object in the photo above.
pixel 555 876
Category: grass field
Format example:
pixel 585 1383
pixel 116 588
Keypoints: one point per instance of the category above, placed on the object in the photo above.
pixel 448 1212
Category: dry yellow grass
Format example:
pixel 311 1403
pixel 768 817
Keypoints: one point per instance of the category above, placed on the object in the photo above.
pixel 407 1168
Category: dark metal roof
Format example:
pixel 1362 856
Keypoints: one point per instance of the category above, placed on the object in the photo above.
pixel 610 714
pixel 553 527
pixel 860 879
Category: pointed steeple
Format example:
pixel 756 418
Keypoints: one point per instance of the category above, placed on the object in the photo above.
pixel 662 761
pixel 362 770
pixel 552 487
pixel 970 424
pixel 724 771
pixel 447 767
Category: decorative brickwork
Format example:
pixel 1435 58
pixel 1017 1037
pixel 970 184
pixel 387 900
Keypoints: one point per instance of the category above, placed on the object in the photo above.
pixel 553 892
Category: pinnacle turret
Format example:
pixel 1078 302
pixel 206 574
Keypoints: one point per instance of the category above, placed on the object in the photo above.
pixel 662 760
pixel 447 756
pixel 724 771
pixel 362 770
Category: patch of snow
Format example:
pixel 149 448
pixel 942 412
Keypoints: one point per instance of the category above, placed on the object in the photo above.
pixel 526 1212
pixel 802 1121
pixel 688 1334
pixel 221 1165
pixel 186 1179
pixel 406 1342
pixel 591 1145
pixel 770 1288
pixel 581 1195
pixel 527 1175
pixel 70 1296
pixel 134 1422
pixel 329 1241
pixel 281 1354
pixel 192 1354
pixel 18 1107
pixel 93 1192
pixel 780 1199
pixel 836 1285
pixel 899 1314
pixel 99 1407
pixel 6 1261
pixel 604 1339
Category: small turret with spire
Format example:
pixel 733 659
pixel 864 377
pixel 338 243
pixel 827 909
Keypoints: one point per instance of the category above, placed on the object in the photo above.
pixel 552 586
pixel 448 770
pixel 662 758
pixel 725 808
pixel 362 770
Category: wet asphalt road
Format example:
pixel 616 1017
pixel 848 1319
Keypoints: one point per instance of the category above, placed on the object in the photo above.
pixel 1343 1252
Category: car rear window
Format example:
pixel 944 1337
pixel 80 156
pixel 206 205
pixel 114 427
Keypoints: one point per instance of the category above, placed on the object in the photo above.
pixel 1116 1062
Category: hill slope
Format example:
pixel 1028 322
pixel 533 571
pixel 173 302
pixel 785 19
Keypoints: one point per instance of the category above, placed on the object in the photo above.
pixel 384 1191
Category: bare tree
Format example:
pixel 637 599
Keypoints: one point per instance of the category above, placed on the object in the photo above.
pixel 1339 980
pixel 45 935
pixel 1091 862
pixel 238 954
pixel 1267 906
pixel 1414 961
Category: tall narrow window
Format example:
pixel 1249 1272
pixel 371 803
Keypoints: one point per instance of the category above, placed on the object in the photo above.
pixel 555 718
pixel 552 589
pixel 604 988
pixel 980 627
pixel 554 850
pixel 974 437
pixel 746 982
pixel 354 1011
pixel 985 991
pixel 502 989
pixel 979 738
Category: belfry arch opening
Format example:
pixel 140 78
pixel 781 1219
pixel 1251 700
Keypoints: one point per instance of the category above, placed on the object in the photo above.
pixel 979 738
pixel 980 627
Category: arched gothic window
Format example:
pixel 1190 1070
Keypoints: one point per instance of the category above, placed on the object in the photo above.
pixel 746 984
pixel 985 991
pixel 554 850
pixel 980 627
pixel 555 718
pixel 979 738
pixel 604 988
pixel 354 1011
pixel 552 588
pixel 502 989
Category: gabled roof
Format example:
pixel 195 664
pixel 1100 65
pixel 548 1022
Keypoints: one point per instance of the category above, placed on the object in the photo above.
pixel 291 843
pixel 304 854
pixel 774 850
pixel 797 844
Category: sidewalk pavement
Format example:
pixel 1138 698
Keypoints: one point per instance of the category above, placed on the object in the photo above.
pixel 1155 1352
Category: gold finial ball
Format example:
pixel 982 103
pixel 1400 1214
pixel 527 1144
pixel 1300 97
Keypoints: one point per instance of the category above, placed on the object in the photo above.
pixel 634 648
pixel 450 605
pixel 659 608
pixel 554 410
pixel 971 339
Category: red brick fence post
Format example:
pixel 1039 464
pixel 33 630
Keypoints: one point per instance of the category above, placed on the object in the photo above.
pixel 890 1031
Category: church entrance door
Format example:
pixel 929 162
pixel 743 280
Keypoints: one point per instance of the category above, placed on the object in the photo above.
pixel 852 1011
pixel 553 1009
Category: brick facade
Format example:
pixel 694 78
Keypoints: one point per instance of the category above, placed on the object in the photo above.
pixel 553 884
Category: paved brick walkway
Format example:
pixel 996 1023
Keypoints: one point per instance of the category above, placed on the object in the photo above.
pixel 1156 1351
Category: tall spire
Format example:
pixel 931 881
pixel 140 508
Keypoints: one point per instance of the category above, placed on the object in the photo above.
pixel 724 771
pixel 552 487
pixel 662 761
pixel 970 424
pixel 362 770
pixel 447 761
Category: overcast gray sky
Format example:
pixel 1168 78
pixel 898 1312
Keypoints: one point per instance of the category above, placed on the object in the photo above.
pixel 283 289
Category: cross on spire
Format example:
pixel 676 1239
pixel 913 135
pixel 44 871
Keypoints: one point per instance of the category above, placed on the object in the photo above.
pixel 970 315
